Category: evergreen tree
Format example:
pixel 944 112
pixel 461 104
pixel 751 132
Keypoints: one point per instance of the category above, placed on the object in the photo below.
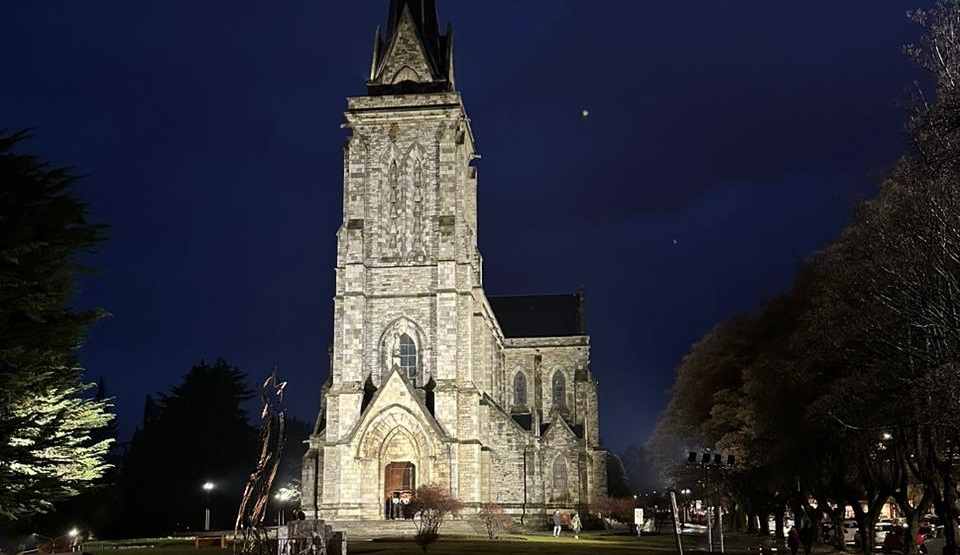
pixel 195 434
pixel 46 450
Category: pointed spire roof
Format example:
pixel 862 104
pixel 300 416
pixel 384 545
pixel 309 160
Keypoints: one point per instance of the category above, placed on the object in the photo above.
pixel 424 14
pixel 413 57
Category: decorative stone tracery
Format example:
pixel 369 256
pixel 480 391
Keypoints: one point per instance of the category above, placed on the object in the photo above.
pixel 395 348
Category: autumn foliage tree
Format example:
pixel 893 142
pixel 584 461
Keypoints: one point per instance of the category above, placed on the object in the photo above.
pixel 844 388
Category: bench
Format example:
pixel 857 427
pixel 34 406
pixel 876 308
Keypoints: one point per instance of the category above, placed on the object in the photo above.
pixel 222 540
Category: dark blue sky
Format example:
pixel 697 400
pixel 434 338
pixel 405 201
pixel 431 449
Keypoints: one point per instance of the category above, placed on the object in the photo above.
pixel 726 142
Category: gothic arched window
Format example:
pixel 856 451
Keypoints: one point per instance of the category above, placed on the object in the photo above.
pixel 559 390
pixel 559 478
pixel 408 357
pixel 519 390
pixel 393 183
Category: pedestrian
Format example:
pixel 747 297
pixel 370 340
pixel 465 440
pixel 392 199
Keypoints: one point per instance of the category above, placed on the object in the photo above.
pixel 576 525
pixel 793 540
pixel 556 524
pixel 807 535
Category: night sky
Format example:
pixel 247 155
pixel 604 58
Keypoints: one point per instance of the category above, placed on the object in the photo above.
pixel 725 142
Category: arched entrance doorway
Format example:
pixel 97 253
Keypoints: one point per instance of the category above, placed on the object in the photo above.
pixel 399 485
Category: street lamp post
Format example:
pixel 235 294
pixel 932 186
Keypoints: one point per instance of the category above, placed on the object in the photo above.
pixel 712 461
pixel 207 487
pixel 72 534
pixel 283 495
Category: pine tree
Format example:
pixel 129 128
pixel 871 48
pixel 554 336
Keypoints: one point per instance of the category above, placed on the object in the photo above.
pixel 196 433
pixel 46 450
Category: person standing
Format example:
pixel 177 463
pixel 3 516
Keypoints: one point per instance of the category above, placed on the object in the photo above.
pixel 395 507
pixel 793 540
pixel 556 524
pixel 576 525
pixel 807 536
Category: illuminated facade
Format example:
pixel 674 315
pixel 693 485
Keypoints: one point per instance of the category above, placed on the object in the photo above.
pixel 432 381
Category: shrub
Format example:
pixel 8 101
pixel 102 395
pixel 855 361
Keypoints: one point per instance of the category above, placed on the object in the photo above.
pixel 612 508
pixel 432 504
pixel 494 519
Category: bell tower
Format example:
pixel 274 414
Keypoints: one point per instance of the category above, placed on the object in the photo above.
pixel 408 270
pixel 431 382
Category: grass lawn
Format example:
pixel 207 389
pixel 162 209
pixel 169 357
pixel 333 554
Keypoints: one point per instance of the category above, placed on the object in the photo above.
pixel 514 545
pixel 590 543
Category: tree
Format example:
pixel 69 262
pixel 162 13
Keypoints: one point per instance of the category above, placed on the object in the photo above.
pixel 934 124
pixel 895 284
pixel 844 390
pixel 46 423
pixel 617 483
pixel 195 434
pixel 432 504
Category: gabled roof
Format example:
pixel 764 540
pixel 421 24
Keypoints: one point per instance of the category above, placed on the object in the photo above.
pixel 413 40
pixel 540 315
pixel 575 430
pixel 394 379
pixel 425 18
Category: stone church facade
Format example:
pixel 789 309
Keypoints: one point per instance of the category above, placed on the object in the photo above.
pixel 433 382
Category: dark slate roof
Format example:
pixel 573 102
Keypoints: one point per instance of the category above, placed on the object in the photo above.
pixel 524 420
pixel 540 315
pixel 577 429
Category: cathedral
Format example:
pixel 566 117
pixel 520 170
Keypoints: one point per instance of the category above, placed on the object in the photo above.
pixel 432 381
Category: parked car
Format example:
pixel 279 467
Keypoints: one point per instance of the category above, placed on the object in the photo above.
pixel 850 528
pixel 880 530
pixel 772 523
pixel 933 543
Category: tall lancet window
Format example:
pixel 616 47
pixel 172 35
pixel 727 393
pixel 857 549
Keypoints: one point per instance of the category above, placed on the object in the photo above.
pixel 393 182
pixel 417 183
pixel 408 357
pixel 394 202
pixel 417 224
pixel 560 478
pixel 559 390
pixel 519 390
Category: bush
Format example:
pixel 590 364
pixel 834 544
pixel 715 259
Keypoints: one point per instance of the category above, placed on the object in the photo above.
pixel 620 509
pixel 494 519
pixel 431 504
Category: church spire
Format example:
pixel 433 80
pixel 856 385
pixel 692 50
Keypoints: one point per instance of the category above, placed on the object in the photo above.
pixel 414 57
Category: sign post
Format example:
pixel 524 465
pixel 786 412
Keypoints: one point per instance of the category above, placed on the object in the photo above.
pixel 676 521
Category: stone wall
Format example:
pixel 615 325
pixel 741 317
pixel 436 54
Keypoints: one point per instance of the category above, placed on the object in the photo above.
pixel 408 265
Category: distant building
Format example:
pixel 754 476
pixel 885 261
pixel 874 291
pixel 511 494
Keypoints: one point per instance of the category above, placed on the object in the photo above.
pixel 431 380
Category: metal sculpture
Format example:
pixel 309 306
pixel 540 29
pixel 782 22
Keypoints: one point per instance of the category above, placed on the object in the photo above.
pixel 250 534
